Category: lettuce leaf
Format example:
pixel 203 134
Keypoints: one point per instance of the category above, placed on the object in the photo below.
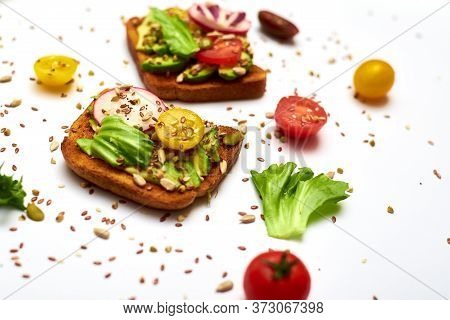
pixel 11 192
pixel 175 33
pixel 290 198
pixel 118 143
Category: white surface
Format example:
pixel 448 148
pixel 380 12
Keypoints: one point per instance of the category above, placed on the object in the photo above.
pixel 397 172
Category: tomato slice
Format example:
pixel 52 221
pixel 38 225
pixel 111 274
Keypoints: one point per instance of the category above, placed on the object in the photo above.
pixel 299 117
pixel 224 53
pixel 180 129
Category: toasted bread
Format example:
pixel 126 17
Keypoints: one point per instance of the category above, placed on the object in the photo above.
pixel 121 183
pixel 250 86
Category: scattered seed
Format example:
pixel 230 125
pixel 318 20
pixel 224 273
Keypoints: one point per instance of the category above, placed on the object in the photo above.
pixel 153 249
pixel 390 210
pixel 333 218
pixel 54 145
pixel 270 115
pixel 34 213
pixel 4 79
pixel 14 104
pixel 225 286
pixel 248 218
pixel 101 233
pixel 437 174
pixel 242 248
pixel 340 170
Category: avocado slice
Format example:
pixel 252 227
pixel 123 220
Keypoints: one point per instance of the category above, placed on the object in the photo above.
pixel 210 143
pixel 147 35
pixel 198 73
pixel 162 64
pixel 228 74
pixel 172 173
pixel 238 70
pixel 191 173
pixel 161 48
pixel 201 162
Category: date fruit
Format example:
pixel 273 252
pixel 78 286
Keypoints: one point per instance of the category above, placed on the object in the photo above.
pixel 277 26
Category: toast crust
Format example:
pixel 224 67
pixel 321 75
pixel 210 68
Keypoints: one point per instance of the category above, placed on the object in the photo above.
pixel 250 86
pixel 121 183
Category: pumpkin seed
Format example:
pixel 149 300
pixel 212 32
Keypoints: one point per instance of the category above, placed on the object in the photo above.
pixel 54 145
pixel 34 213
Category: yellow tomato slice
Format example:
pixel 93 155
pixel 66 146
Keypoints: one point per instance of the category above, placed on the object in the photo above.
pixel 373 79
pixel 180 129
pixel 55 71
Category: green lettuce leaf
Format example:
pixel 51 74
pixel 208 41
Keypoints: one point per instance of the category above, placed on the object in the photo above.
pixel 118 143
pixel 175 33
pixel 11 192
pixel 290 198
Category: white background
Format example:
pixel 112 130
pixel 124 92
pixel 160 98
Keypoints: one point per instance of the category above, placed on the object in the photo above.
pixel 413 257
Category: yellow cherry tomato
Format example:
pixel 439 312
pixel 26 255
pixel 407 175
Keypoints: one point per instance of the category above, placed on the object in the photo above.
pixel 55 71
pixel 373 79
pixel 180 129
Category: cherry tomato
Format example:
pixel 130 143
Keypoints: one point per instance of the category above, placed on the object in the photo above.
pixel 55 71
pixel 223 52
pixel 373 79
pixel 180 129
pixel 299 117
pixel 276 275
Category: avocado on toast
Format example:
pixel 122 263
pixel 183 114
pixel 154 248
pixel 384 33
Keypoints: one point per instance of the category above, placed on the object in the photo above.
pixel 201 172
pixel 218 66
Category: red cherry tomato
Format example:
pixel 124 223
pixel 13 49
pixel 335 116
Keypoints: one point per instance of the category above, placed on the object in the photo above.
pixel 299 117
pixel 276 275
pixel 223 52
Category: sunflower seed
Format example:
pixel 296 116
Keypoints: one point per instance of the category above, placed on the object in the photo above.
pixel 14 104
pixel 223 166
pixel 139 180
pixel 225 286
pixel 248 218
pixel 167 184
pixel 161 155
pixel 5 79
pixel 101 233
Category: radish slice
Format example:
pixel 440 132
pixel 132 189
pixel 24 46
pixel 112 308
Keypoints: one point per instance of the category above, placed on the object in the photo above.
pixel 138 107
pixel 211 17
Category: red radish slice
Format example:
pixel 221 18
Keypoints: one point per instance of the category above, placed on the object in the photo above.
pixel 137 106
pixel 211 17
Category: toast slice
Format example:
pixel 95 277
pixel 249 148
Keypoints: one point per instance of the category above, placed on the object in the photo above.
pixel 250 86
pixel 121 183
